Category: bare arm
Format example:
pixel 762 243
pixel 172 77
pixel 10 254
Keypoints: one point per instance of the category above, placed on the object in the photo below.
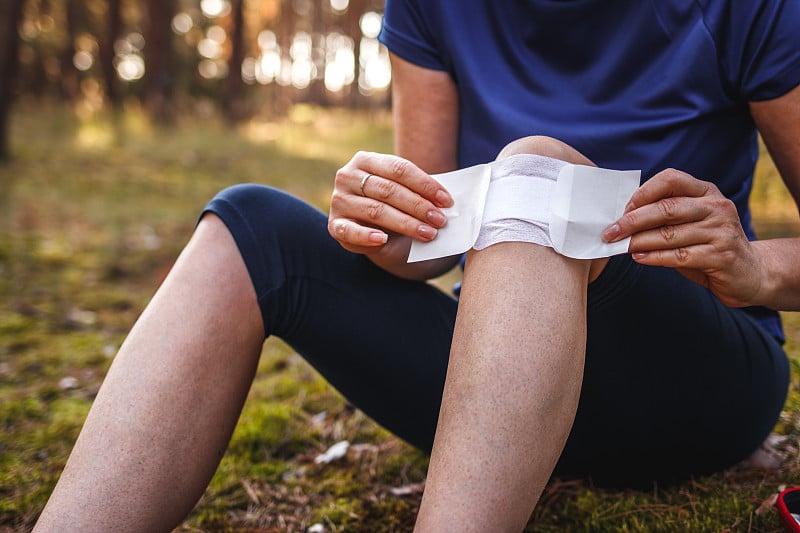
pixel 778 121
pixel 425 109
pixel 402 200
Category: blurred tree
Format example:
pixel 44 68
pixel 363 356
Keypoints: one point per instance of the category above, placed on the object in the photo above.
pixel 233 103
pixel 68 80
pixel 158 79
pixel 355 10
pixel 10 17
pixel 319 22
pixel 285 29
pixel 113 30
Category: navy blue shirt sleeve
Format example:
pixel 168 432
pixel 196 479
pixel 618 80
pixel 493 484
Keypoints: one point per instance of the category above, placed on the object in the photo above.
pixel 406 32
pixel 758 43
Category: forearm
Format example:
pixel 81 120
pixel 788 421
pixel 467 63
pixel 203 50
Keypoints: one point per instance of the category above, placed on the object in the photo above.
pixel 780 278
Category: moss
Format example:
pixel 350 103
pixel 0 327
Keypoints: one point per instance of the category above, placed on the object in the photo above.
pixel 15 411
pixel 404 466
pixel 343 514
pixel 14 323
pixel 266 430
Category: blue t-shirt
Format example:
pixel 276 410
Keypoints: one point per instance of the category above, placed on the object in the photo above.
pixel 642 84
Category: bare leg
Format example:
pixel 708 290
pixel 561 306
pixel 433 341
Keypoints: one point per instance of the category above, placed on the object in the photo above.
pixel 513 381
pixel 167 408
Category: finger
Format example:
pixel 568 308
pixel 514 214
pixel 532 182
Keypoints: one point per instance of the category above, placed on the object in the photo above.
pixel 402 171
pixel 376 213
pixel 350 233
pixel 668 183
pixel 403 199
pixel 664 213
pixel 671 237
pixel 697 257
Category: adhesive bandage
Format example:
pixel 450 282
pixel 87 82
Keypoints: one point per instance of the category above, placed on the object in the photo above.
pixel 531 198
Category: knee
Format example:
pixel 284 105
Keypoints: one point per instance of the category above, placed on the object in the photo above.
pixel 545 146
pixel 246 196
pixel 261 204
pixel 268 216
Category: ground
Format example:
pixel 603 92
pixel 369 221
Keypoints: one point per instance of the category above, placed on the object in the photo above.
pixel 93 211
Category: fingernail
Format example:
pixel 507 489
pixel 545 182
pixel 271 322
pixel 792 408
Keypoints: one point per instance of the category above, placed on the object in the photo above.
pixel 639 255
pixel 611 233
pixel 436 218
pixel 378 237
pixel 426 232
pixel 443 198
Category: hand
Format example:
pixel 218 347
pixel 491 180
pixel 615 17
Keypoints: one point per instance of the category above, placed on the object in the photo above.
pixel 675 220
pixel 396 198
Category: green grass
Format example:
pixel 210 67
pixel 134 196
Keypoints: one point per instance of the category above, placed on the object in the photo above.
pixel 94 210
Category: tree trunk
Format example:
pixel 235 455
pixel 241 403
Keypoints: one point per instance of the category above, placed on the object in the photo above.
pixel 69 74
pixel 354 12
pixel 113 30
pixel 233 104
pixel 158 83
pixel 10 17
pixel 317 94
pixel 285 30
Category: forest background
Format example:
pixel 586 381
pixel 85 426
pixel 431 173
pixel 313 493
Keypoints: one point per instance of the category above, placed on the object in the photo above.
pixel 119 119
pixel 191 56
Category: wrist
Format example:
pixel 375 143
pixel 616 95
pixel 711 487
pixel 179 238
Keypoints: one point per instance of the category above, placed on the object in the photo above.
pixel 778 276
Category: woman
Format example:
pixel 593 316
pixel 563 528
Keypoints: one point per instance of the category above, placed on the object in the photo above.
pixel 659 364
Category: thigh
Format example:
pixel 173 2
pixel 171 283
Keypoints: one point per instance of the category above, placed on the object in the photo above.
pixel 382 341
pixel 676 384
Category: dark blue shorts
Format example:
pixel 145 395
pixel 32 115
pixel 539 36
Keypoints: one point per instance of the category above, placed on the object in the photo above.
pixel 676 384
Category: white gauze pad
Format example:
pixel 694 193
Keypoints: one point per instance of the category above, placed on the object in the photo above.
pixel 531 198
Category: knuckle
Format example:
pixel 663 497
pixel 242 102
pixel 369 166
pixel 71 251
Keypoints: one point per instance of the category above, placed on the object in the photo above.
pixel 682 255
pixel 341 176
pixel 727 257
pixel 669 233
pixel 337 200
pixel 337 229
pixel 361 155
pixel 712 189
pixel 375 211
pixel 428 188
pixel 672 175
pixel 726 206
pixel 400 167
pixel 410 226
pixel 385 189
pixel 629 220
pixel 668 207
pixel 420 206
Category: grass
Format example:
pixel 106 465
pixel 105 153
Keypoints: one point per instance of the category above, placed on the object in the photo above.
pixel 94 210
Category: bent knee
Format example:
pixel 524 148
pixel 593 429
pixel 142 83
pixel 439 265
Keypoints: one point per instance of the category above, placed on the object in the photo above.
pixel 544 146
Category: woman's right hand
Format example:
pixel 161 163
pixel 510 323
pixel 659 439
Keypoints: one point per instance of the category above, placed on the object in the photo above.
pixel 378 199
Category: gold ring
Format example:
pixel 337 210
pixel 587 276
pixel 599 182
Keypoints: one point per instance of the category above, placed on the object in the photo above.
pixel 363 182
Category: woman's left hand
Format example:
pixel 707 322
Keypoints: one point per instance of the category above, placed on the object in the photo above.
pixel 675 220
